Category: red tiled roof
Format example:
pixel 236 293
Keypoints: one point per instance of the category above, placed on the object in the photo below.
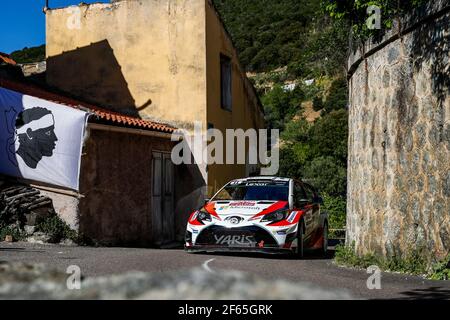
pixel 7 59
pixel 111 117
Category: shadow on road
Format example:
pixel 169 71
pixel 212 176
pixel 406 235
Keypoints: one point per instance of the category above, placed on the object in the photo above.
pixel 428 293
pixel 12 249
pixel 19 249
pixel 309 255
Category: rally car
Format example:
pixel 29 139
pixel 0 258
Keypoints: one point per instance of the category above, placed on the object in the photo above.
pixel 261 214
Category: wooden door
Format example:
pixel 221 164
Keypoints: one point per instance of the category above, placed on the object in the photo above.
pixel 163 215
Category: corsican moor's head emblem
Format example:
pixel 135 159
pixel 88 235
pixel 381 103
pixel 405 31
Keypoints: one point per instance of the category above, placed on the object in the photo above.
pixel 32 135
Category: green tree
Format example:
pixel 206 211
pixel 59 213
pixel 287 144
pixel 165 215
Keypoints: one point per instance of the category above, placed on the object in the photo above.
pixel 317 152
pixel 336 208
pixel 329 136
pixel 327 175
pixel 281 105
pixel 338 95
pixel 355 13
pixel 29 55
pixel 270 34
pixel 318 103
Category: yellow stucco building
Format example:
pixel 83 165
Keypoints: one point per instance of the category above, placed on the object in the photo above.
pixel 170 61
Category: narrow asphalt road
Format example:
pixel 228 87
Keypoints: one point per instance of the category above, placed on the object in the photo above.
pixel 312 269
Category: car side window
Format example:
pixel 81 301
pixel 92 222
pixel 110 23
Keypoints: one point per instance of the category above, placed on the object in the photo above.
pixel 311 194
pixel 299 195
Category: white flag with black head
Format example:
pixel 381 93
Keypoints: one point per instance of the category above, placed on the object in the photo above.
pixel 40 140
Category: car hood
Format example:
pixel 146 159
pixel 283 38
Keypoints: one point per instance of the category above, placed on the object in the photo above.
pixel 244 208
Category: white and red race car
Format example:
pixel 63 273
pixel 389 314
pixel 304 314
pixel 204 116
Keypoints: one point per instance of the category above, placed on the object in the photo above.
pixel 261 214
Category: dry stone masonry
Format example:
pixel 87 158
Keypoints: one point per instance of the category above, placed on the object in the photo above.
pixel 399 142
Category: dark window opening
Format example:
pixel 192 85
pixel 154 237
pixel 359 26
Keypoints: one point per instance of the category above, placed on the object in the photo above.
pixel 225 82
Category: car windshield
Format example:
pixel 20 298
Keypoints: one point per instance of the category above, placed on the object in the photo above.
pixel 271 191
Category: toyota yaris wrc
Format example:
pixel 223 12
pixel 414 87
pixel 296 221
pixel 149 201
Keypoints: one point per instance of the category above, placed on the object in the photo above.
pixel 261 214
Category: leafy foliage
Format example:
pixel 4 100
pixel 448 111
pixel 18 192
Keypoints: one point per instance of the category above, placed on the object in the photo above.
pixel 281 105
pixel 441 270
pixel 28 55
pixel 355 12
pixel 271 34
pixel 328 175
pixel 317 152
pixel 412 263
pixel 12 230
pixel 57 229
pixel 338 95
pixel 329 136
pixel 336 208
pixel 346 256
pixel 318 103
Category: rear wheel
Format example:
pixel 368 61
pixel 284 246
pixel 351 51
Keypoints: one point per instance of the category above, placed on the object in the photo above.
pixel 300 240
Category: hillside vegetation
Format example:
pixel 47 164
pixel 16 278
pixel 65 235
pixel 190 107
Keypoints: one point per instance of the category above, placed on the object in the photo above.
pixel 297 34
pixel 29 55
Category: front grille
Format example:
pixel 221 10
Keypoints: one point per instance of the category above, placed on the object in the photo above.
pixel 259 235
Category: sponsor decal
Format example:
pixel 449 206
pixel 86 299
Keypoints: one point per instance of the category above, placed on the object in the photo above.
pixel 243 204
pixel 257 184
pixel 235 240
pixel 292 216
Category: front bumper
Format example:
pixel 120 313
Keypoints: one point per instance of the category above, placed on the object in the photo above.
pixel 216 238
pixel 221 249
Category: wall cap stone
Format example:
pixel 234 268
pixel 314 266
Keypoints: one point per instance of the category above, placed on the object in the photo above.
pixel 401 26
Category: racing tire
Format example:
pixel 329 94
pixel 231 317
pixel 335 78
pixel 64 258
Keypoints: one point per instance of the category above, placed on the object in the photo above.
pixel 300 252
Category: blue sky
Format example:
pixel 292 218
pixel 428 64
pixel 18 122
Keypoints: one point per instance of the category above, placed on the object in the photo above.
pixel 22 22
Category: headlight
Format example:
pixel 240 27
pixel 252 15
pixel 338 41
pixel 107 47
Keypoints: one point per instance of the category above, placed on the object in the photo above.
pixel 275 216
pixel 203 215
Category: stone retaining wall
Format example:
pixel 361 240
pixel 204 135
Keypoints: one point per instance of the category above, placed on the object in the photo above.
pixel 399 139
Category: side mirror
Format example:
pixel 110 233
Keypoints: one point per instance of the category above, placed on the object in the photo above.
pixel 303 202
